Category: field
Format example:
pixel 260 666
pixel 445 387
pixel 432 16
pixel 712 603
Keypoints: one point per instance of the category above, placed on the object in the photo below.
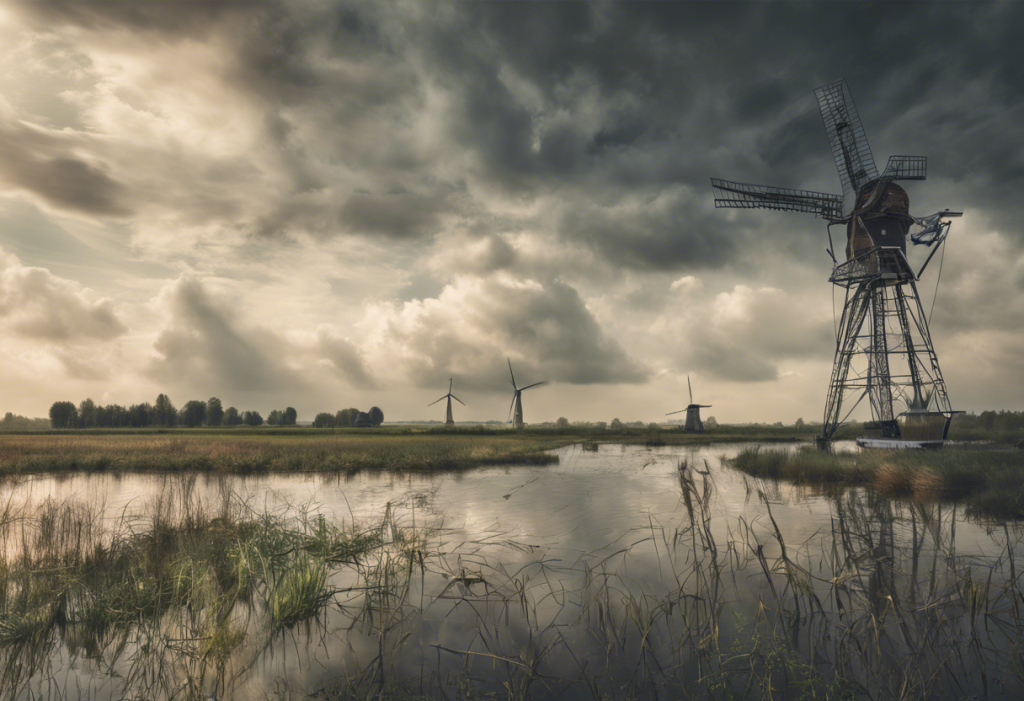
pixel 308 449
pixel 266 451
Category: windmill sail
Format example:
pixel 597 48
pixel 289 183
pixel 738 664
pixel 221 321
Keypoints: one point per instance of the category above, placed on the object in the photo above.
pixel 906 168
pixel 747 196
pixel 846 136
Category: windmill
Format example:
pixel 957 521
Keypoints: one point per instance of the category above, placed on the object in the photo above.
pixel 515 411
pixel 890 359
pixel 693 422
pixel 449 421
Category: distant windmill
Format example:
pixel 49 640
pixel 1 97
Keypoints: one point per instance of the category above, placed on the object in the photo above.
pixel 449 421
pixel 693 422
pixel 516 410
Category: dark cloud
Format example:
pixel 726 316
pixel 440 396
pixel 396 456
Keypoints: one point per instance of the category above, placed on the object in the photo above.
pixel 204 347
pixel 344 357
pixel 43 163
pixel 398 215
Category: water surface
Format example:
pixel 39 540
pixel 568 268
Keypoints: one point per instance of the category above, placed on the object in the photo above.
pixel 623 571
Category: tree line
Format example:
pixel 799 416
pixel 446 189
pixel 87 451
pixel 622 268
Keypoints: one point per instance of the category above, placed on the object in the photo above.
pixel 162 414
pixel 346 418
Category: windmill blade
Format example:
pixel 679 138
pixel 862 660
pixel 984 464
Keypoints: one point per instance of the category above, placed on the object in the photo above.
pixel 689 388
pixel 450 385
pixel 433 403
pixel 906 168
pixel 458 400
pixel 535 384
pixel 675 412
pixel 513 405
pixel 846 136
pixel 748 196
pixel 511 373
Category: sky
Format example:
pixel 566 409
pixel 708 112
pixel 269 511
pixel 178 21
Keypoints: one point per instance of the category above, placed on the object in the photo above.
pixel 324 205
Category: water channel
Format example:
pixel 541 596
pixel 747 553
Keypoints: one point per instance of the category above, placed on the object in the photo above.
pixel 620 572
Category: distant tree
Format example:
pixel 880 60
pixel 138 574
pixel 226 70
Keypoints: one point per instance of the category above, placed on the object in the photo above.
pixel 654 426
pixel 363 420
pixel 114 416
pixel 289 417
pixel 140 415
pixel 252 418
pixel 274 418
pixel 16 422
pixel 711 423
pixel 376 416
pixel 231 417
pixel 63 415
pixel 164 413
pixel 87 414
pixel 346 418
pixel 799 423
pixel 562 422
pixel 601 425
pixel 214 412
pixel 193 413
pixel 616 424
pixel 323 420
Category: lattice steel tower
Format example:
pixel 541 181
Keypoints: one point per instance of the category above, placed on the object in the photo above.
pixel 884 349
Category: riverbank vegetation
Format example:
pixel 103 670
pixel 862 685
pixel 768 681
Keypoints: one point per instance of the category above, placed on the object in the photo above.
pixel 173 591
pixel 989 480
pixel 258 451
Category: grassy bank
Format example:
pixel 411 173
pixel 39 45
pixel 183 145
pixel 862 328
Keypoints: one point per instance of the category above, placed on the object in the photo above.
pixel 299 450
pixel 989 481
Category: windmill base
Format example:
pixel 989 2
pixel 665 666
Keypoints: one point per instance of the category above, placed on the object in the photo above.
pixel 897 443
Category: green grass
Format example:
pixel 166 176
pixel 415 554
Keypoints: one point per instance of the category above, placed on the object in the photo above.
pixel 299 450
pixel 989 481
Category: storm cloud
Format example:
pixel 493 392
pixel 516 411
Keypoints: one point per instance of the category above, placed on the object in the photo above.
pixel 358 197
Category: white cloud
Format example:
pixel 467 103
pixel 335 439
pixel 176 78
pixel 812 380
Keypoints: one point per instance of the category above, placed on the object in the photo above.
pixel 36 304
pixel 470 328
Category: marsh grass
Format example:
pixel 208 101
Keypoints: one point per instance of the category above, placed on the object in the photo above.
pixel 296 451
pixel 989 481
pixel 179 588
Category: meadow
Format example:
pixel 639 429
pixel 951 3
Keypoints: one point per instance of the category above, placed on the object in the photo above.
pixel 308 449
pixel 266 451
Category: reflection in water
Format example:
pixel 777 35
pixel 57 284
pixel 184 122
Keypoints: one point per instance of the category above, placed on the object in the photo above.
pixel 622 572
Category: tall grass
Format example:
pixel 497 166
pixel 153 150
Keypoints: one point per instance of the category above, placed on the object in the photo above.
pixel 184 585
pixel 989 481
pixel 309 451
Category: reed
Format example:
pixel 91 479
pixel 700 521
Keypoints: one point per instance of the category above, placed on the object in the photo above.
pixel 989 481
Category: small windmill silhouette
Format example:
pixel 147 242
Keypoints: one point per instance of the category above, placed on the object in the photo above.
pixel 693 422
pixel 516 410
pixel 449 421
